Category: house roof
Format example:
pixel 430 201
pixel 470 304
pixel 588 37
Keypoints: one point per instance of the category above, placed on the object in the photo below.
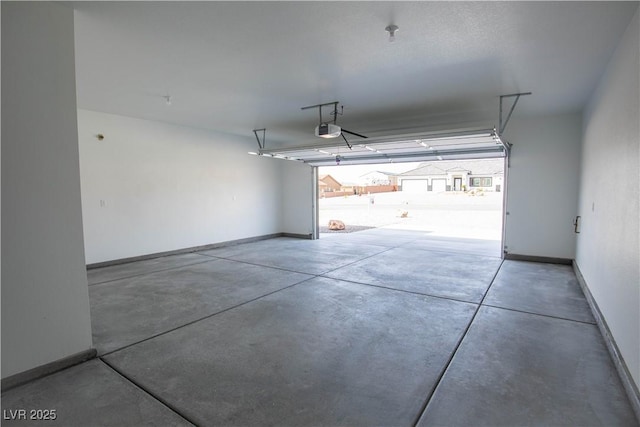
pixel 327 178
pixel 473 167
pixel 425 169
pixel 484 167
pixel 379 172
pixel 458 169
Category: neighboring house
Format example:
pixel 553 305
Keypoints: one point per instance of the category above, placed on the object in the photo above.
pixel 327 183
pixel 349 187
pixel 378 178
pixel 454 175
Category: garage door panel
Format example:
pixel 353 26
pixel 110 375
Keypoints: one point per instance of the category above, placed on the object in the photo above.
pixel 415 185
pixel 438 185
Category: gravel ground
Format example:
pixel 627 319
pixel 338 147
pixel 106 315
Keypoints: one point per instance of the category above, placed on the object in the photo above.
pixel 348 229
pixel 446 214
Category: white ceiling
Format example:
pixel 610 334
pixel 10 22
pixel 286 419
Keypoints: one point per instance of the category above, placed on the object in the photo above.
pixel 236 66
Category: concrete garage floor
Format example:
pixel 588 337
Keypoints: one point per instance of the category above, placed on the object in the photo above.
pixel 370 328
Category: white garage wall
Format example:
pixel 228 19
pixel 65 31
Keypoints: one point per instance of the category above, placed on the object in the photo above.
pixel 543 183
pixel 297 208
pixel 45 301
pixel 608 253
pixel 152 187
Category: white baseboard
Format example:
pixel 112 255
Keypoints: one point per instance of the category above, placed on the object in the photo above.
pixel 625 376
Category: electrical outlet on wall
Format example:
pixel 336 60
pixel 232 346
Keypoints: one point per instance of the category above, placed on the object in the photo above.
pixel 102 203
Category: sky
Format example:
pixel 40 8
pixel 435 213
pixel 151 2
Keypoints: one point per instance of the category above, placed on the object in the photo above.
pixel 351 174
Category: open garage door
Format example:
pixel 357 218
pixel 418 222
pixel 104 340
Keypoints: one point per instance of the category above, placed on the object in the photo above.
pixel 446 190
pixel 450 145
pixel 459 144
pixel 416 202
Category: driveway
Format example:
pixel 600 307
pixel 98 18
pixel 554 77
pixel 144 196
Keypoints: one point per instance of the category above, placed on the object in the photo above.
pixel 444 221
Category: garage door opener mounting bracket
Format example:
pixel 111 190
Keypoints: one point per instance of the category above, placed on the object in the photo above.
pixel 264 135
pixel 503 125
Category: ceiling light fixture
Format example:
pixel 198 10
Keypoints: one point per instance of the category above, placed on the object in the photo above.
pixel 391 29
